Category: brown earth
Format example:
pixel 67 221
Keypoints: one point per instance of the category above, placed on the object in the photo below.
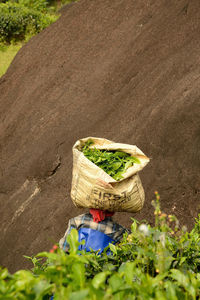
pixel 125 70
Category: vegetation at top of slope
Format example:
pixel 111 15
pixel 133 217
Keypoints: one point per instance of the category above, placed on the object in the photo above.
pixel 19 18
pixel 17 21
pixel 160 262
pixel 114 163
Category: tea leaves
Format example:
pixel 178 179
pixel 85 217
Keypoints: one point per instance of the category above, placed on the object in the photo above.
pixel 114 163
pixel 153 262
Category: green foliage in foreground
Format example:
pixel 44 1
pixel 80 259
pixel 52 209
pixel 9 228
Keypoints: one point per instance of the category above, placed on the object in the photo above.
pixel 114 163
pixel 160 262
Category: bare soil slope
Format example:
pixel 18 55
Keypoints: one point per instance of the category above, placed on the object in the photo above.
pixel 125 70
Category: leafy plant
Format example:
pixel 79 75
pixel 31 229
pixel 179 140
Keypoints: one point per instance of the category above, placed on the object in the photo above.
pixel 115 163
pixel 153 262
pixel 39 5
pixel 17 20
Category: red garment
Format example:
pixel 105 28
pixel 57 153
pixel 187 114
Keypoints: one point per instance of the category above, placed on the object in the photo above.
pixel 100 215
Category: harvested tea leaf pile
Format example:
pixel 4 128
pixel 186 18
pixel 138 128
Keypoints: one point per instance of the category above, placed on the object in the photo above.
pixel 115 163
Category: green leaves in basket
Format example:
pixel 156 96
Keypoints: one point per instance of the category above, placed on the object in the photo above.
pixel 114 163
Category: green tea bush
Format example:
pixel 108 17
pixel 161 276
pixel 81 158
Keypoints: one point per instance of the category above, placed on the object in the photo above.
pixel 160 262
pixel 39 5
pixel 16 21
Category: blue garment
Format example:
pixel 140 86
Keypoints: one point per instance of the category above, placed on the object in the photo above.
pixel 114 230
pixel 94 239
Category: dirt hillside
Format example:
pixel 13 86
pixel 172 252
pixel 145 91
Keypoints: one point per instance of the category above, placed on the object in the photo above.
pixel 125 70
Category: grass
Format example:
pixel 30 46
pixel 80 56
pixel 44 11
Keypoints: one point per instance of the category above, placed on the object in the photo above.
pixel 7 53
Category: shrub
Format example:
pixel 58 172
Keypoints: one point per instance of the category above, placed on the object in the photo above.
pixel 16 21
pixel 39 5
pixel 160 262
